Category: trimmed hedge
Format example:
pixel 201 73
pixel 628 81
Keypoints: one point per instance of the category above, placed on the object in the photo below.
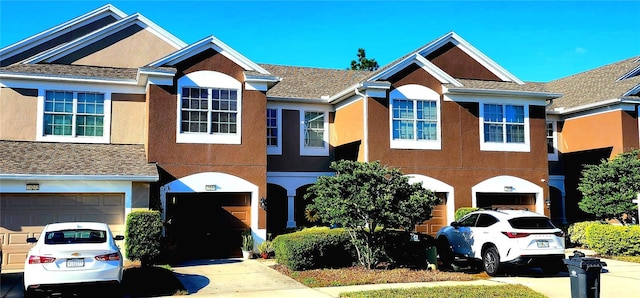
pixel 318 247
pixel 614 240
pixel 322 247
pixel 142 236
pixel 578 232
pixel 461 212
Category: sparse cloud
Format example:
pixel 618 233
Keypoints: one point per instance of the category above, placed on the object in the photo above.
pixel 581 50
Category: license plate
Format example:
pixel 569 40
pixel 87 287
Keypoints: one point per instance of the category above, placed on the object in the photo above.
pixel 75 263
pixel 542 243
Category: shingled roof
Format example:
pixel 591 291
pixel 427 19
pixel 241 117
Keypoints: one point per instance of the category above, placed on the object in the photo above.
pixel 74 71
pixel 39 158
pixel 311 83
pixel 596 85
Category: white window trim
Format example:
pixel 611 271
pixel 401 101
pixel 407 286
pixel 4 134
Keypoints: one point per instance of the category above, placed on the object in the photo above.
pixel 277 149
pixel 208 79
pixel 314 151
pixel 106 130
pixel 504 146
pixel 553 156
pixel 415 92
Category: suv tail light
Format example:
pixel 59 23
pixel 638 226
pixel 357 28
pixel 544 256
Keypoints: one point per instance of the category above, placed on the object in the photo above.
pixel 108 257
pixel 40 260
pixel 516 234
pixel 559 234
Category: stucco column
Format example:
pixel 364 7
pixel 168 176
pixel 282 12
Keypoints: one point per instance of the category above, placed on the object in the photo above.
pixel 291 222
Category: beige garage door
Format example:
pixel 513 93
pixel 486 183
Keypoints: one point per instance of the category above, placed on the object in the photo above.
pixel 24 215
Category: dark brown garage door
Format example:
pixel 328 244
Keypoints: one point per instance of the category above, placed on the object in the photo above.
pixel 502 200
pixel 25 215
pixel 207 225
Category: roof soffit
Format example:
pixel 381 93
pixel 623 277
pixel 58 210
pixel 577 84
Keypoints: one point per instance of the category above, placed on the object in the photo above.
pixel 84 41
pixel 59 30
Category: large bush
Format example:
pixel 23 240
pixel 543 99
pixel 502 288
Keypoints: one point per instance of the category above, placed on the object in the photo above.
pixel 142 236
pixel 614 240
pixel 578 232
pixel 461 212
pixel 311 248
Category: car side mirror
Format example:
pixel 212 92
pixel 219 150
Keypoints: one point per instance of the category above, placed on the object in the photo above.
pixel 455 224
pixel 32 240
pixel 118 238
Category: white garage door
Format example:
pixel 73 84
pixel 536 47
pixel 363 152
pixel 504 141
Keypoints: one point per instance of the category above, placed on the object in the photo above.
pixel 24 215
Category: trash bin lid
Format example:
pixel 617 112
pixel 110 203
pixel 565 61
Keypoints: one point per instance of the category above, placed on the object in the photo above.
pixel 584 263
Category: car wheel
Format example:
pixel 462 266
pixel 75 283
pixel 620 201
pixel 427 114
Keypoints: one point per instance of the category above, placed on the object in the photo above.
pixel 444 253
pixel 491 261
pixel 30 294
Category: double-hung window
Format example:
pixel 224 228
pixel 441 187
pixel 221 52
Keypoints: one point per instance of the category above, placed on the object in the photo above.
pixel 274 134
pixel 74 114
pixel 209 111
pixel 504 127
pixel 314 133
pixel 552 141
pixel 209 108
pixel 415 118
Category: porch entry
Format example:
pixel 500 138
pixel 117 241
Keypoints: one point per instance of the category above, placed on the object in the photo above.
pixel 207 225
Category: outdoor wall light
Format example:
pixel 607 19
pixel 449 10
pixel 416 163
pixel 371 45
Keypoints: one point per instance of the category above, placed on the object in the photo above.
pixel 263 203
pixel 548 202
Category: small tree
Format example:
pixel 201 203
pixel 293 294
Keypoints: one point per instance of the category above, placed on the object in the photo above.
pixel 142 236
pixel 609 187
pixel 363 63
pixel 367 199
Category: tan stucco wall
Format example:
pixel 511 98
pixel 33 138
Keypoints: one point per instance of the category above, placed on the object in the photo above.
pixel 128 119
pixel 18 114
pixel 348 126
pixel 147 46
pixel 616 129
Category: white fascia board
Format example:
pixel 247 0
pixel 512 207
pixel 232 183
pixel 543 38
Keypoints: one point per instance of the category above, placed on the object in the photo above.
pixel 61 29
pixel 147 76
pixel 465 46
pixel 209 43
pixel 260 83
pixel 79 43
pixel 370 88
pixel 598 107
pixel 634 72
pixel 499 92
pixel 279 99
pixel 436 72
pixel 32 177
pixel 38 82
pixel 632 91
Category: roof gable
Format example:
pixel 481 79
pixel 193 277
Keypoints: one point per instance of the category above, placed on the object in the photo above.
pixel 420 55
pixel 60 34
pixel 205 44
pixel 87 40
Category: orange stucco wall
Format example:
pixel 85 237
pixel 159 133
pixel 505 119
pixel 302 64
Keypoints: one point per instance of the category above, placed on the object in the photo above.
pixel 616 129
pixel 348 126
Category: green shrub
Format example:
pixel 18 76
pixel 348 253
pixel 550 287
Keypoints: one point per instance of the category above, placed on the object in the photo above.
pixel 461 212
pixel 578 232
pixel 614 240
pixel 312 248
pixel 142 236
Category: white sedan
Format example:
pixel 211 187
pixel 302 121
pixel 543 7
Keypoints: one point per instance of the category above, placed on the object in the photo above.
pixel 72 254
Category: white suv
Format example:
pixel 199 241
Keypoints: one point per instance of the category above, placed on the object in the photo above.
pixel 501 237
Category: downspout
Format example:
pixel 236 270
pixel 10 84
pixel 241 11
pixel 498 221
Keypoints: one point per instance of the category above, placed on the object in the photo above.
pixel 365 124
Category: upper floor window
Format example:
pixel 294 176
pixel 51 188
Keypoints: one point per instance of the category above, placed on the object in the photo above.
pixel 314 133
pixel 552 141
pixel 274 133
pixel 415 118
pixel 209 108
pixel 83 116
pixel 504 127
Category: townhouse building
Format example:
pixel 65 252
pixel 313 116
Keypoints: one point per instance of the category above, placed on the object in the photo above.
pixel 109 113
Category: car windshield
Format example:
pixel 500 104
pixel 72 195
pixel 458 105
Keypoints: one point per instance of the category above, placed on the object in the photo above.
pixel 75 236
pixel 531 223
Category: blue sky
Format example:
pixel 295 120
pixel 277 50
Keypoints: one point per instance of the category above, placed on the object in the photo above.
pixel 536 41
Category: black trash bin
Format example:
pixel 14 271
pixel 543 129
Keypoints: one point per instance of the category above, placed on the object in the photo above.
pixel 584 274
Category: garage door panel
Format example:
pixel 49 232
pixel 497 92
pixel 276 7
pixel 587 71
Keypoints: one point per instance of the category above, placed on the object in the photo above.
pixel 24 215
